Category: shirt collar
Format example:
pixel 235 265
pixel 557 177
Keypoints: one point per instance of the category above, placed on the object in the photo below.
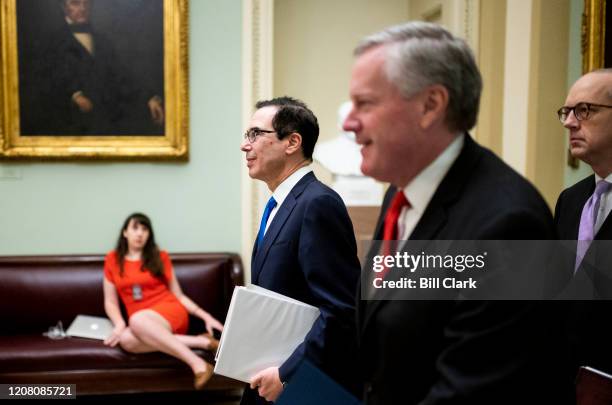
pixel 422 188
pixel 598 179
pixel 283 189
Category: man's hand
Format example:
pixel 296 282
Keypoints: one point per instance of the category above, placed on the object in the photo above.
pixel 156 109
pixel 268 383
pixel 85 105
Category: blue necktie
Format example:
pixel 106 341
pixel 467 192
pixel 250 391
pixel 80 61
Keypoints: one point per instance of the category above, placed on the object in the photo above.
pixel 264 220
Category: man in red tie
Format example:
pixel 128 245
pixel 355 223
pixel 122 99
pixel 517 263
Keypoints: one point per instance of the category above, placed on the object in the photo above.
pixel 415 90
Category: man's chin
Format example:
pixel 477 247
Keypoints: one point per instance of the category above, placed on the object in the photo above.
pixel 253 173
pixel 371 170
pixel 365 169
pixel 577 152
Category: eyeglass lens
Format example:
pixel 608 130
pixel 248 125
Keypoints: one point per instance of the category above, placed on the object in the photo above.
pixel 581 111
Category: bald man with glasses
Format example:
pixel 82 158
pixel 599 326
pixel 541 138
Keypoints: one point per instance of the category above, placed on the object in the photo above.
pixel 582 214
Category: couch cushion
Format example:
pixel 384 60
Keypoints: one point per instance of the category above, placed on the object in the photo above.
pixel 37 292
pixel 30 353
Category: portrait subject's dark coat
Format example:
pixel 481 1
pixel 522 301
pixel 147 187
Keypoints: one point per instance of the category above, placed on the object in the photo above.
pixel 71 68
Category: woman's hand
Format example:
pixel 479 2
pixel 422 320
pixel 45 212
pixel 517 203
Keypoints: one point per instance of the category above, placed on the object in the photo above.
pixel 211 322
pixel 115 337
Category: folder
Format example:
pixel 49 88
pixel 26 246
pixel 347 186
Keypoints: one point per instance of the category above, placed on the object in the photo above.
pixel 261 330
pixel 309 385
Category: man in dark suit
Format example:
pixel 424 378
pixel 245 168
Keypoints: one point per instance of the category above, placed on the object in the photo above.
pixel 83 87
pixel 415 90
pixel 305 247
pixel 582 213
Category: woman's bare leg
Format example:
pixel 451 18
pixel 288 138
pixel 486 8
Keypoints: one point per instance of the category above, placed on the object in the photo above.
pixel 132 344
pixel 154 331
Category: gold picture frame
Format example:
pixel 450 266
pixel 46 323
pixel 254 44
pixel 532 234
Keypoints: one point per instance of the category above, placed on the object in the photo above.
pixel 170 143
pixel 593 46
pixel 593 35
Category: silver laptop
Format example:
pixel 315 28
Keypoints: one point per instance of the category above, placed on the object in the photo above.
pixel 92 327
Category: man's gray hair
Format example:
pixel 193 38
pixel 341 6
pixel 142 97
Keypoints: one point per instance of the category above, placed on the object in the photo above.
pixel 421 54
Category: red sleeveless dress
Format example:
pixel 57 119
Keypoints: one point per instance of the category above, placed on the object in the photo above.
pixel 151 292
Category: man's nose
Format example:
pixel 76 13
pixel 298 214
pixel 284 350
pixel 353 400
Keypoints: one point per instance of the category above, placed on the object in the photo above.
pixel 351 124
pixel 245 145
pixel 571 121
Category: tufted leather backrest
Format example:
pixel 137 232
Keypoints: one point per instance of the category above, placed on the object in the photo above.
pixel 38 291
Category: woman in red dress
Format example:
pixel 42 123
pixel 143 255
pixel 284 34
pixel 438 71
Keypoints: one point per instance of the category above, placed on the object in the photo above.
pixel 158 311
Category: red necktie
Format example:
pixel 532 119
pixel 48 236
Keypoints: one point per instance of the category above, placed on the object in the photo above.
pixel 390 231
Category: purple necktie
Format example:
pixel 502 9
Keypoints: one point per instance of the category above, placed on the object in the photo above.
pixel 587 221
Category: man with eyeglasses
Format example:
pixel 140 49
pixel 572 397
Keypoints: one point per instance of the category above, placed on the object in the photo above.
pixel 582 214
pixel 305 247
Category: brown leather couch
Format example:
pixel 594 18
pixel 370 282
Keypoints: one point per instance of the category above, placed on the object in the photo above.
pixel 37 292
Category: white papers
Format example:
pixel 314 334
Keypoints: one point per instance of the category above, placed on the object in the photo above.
pixel 262 329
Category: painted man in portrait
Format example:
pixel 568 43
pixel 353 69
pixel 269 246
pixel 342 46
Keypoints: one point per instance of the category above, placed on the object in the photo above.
pixel 81 87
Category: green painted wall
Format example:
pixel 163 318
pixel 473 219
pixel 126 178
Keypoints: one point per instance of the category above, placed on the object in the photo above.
pixel 574 71
pixel 61 208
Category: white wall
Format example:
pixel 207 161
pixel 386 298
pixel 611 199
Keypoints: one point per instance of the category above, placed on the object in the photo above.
pixel 313 51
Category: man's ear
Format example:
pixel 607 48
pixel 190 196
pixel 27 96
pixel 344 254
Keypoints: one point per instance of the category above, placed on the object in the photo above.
pixel 435 103
pixel 295 143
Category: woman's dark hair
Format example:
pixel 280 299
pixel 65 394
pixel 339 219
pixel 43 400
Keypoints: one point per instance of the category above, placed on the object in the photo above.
pixel 151 261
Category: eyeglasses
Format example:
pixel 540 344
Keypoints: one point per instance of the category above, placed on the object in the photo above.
pixel 582 111
pixel 252 133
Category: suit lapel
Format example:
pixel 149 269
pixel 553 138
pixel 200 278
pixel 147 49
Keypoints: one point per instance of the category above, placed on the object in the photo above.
pixel 277 223
pixel 605 232
pixel 284 211
pixel 583 193
pixel 435 216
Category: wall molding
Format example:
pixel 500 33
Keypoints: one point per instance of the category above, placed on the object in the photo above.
pixel 257 74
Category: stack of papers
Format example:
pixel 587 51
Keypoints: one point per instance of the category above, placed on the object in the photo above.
pixel 262 329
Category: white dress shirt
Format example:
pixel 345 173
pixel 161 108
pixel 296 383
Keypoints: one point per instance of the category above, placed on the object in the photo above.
pixel 84 38
pixel 422 188
pixel 283 190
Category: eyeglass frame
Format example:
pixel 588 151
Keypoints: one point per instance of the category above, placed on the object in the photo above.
pixel 252 133
pixel 568 110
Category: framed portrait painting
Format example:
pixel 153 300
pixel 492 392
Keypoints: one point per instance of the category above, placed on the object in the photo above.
pixel 596 35
pixel 94 79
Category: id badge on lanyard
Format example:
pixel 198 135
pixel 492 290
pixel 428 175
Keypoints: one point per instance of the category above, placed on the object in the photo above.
pixel 136 292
